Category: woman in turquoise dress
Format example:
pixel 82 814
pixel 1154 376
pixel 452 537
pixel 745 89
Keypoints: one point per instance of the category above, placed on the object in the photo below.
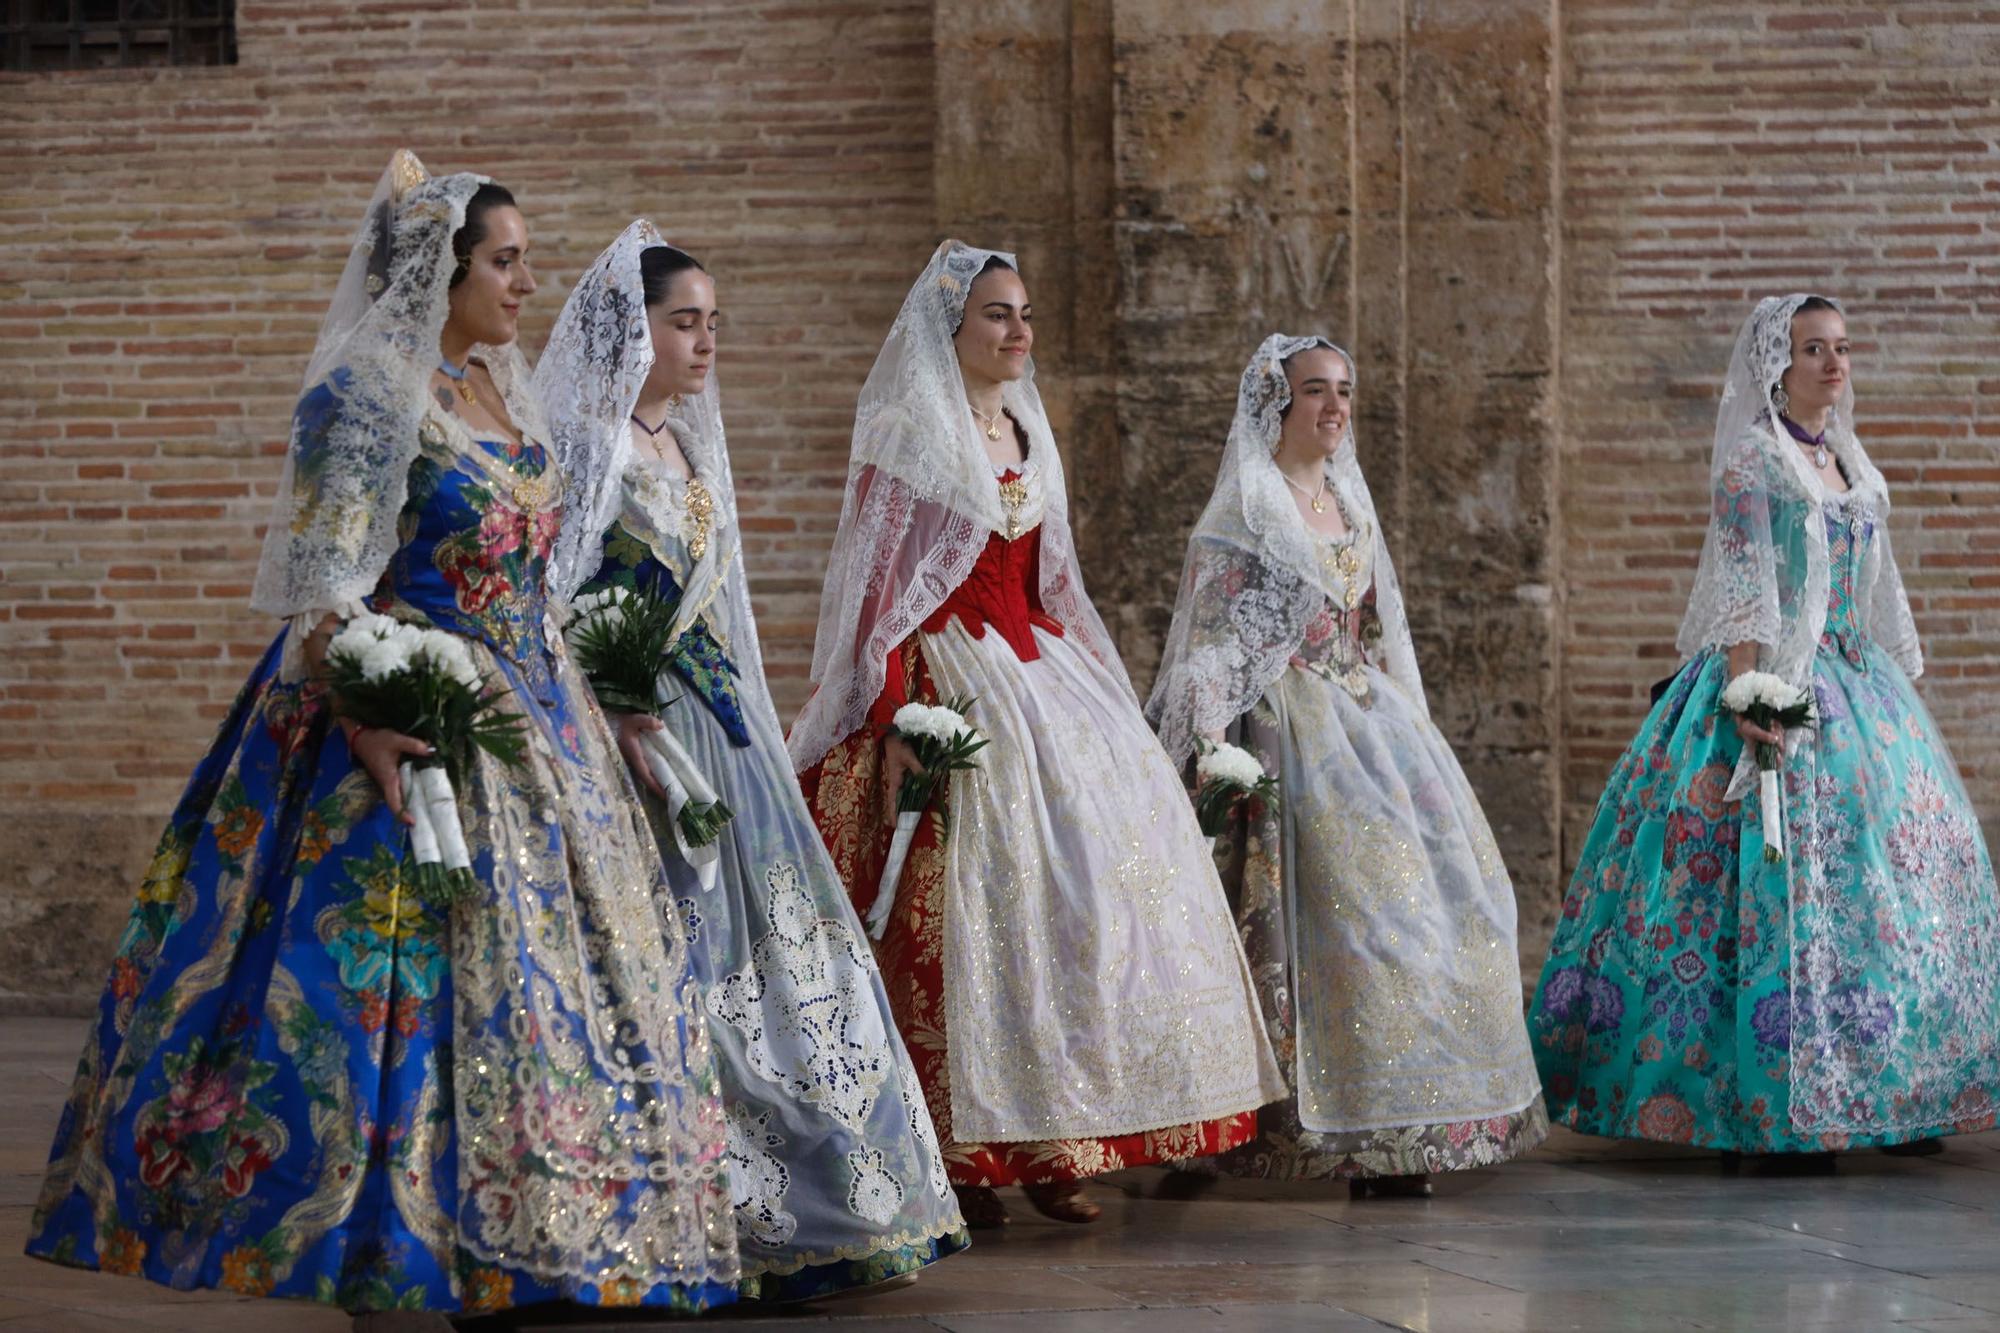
pixel 835 1170
pixel 307 1081
pixel 1843 991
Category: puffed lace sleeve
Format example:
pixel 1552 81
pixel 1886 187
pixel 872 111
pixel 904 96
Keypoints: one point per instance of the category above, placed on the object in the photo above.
pixel 1735 597
pixel 1887 607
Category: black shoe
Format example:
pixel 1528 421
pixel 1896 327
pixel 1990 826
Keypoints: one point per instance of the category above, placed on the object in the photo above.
pixel 1183 1186
pixel 1915 1148
pixel 1389 1187
pixel 1796 1164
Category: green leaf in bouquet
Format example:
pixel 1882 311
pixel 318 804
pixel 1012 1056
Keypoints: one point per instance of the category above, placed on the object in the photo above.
pixel 702 823
pixel 621 649
pixel 1215 801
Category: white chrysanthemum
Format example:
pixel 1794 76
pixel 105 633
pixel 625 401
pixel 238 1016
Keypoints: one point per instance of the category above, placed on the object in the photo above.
pixel 449 654
pixel 926 720
pixel 1230 763
pixel 408 637
pixel 380 658
pixel 1759 687
pixel 359 632
pixel 611 599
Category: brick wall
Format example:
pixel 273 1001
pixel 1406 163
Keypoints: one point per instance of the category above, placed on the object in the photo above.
pixel 168 240
pixel 1715 154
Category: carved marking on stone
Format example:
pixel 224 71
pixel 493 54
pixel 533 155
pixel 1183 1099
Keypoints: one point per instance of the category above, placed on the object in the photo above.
pixel 1310 284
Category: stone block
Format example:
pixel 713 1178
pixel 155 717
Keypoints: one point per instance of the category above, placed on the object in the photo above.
pixel 1479 114
pixel 1214 128
pixel 1481 296
pixel 1489 665
pixel 68 891
pixel 1480 463
pixel 1517 791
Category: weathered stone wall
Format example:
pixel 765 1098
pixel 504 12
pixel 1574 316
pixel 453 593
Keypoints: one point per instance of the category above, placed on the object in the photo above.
pixel 1536 224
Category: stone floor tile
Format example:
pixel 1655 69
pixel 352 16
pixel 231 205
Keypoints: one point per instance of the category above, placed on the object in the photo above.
pixel 1977 1293
pixel 1493 1311
pixel 72 1321
pixel 1328 1284
pixel 1245 1318
pixel 233 1316
pixel 1584 1234
pixel 13 1307
pixel 960 1286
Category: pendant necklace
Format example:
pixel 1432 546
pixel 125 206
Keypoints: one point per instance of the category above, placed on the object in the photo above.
pixel 991 423
pixel 1317 498
pixel 456 374
pixel 1816 443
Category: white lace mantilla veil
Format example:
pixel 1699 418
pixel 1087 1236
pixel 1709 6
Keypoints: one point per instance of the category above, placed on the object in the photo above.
pixel 1744 589
pixel 921 503
pixel 1254 575
pixel 347 465
pixel 588 381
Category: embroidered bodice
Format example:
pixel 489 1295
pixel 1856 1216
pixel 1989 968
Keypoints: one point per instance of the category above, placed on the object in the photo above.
pixel 1003 589
pixel 475 533
pixel 651 547
pixel 1850 528
pixel 1330 647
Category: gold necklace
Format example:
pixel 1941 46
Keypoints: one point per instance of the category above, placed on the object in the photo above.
pixel 992 423
pixel 1317 498
pixel 457 376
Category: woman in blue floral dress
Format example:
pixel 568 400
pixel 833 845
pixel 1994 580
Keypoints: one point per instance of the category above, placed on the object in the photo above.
pixel 835 1170
pixel 1844 989
pixel 307 1081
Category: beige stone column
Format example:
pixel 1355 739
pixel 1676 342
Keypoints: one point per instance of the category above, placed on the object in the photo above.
pixel 1480 544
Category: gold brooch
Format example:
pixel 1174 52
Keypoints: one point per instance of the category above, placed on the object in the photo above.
pixel 532 494
pixel 701 516
pixel 1014 494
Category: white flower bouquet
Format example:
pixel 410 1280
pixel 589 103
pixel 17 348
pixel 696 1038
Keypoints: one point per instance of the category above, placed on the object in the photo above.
pixel 1226 776
pixel 945 742
pixel 621 638
pixel 423 683
pixel 1767 701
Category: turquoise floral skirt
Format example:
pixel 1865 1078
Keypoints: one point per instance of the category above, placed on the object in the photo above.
pixel 1699 992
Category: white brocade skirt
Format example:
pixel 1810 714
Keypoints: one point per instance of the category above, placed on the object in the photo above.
pixel 1399 915
pixel 1094 982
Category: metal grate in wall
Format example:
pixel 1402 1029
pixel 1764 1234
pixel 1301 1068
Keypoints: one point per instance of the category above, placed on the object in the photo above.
pixel 115 34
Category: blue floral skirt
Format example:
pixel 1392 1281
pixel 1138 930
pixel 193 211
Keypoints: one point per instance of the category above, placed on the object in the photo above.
pixel 281 1093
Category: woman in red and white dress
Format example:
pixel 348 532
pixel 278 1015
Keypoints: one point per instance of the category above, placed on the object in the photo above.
pixel 1058 953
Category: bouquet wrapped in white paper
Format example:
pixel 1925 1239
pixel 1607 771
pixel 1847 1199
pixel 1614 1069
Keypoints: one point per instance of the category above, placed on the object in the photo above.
pixel 424 683
pixel 621 639
pixel 1768 701
pixel 1225 776
pixel 945 742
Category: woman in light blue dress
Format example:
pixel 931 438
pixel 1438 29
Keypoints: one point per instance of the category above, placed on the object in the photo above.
pixel 1844 991
pixel 836 1173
